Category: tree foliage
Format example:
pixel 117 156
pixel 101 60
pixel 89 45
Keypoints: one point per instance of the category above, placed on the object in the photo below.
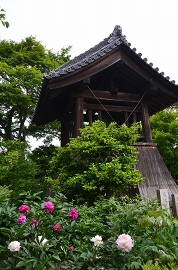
pixel 99 162
pixel 3 18
pixel 21 68
pixel 165 133
pixel 17 170
pixel 41 156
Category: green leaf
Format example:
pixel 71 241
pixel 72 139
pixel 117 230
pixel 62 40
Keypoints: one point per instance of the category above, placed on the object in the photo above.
pixel 56 258
pixel 40 266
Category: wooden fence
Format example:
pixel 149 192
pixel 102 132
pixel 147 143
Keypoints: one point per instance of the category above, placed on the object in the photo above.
pixel 164 200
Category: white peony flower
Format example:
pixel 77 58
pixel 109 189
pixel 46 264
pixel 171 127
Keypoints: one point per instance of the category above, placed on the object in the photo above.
pixel 44 240
pixel 14 246
pixel 97 240
pixel 125 242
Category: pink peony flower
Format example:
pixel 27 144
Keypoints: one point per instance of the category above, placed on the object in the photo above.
pixel 72 248
pixel 56 228
pixel 34 222
pixel 49 207
pixel 24 208
pixel 73 214
pixel 22 219
pixel 125 242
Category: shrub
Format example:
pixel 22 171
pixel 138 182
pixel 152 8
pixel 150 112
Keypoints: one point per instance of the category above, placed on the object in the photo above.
pixel 99 162
pixel 108 235
pixel 17 169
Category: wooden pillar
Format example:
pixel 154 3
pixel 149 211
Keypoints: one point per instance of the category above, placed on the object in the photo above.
pixel 90 117
pixel 64 131
pixel 134 117
pixel 78 122
pixel 99 116
pixel 146 123
pixel 126 118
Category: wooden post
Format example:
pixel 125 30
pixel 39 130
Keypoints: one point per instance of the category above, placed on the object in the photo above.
pixel 146 123
pixel 64 131
pixel 163 198
pixel 78 123
pixel 126 119
pixel 90 117
pixel 99 115
pixel 134 117
pixel 175 204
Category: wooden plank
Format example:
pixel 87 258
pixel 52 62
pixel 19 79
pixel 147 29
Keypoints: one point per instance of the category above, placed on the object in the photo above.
pixel 175 204
pixel 163 198
pixel 106 95
pixel 111 108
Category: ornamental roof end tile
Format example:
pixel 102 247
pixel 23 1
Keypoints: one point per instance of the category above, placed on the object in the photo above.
pixel 94 53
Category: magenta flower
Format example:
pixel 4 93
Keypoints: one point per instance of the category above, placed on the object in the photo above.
pixel 48 207
pixel 73 214
pixel 22 219
pixel 72 248
pixel 56 228
pixel 34 222
pixel 24 208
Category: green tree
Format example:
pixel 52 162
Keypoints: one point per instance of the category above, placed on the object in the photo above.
pixel 21 68
pixel 165 133
pixel 3 18
pixel 17 169
pixel 41 156
pixel 99 162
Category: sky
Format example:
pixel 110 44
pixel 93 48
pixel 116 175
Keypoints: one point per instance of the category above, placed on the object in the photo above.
pixel 150 26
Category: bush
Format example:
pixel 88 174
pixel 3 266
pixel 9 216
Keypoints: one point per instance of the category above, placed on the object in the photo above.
pixel 156 267
pixel 99 162
pixel 56 234
pixel 18 170
pixel 5 193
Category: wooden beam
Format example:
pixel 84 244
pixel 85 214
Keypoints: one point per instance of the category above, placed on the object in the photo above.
pixel 111 108
pixel 85 72
pixel 147 75
pixel 83 85
pixel 106 95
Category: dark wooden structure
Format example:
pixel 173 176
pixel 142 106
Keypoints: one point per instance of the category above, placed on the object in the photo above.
pixel 110 82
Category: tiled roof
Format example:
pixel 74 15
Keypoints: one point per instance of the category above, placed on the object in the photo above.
pixel 48 104
pixel 115 39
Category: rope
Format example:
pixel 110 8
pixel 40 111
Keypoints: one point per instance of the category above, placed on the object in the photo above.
pixel 102 105
pixel 109 113
pixel 135 107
